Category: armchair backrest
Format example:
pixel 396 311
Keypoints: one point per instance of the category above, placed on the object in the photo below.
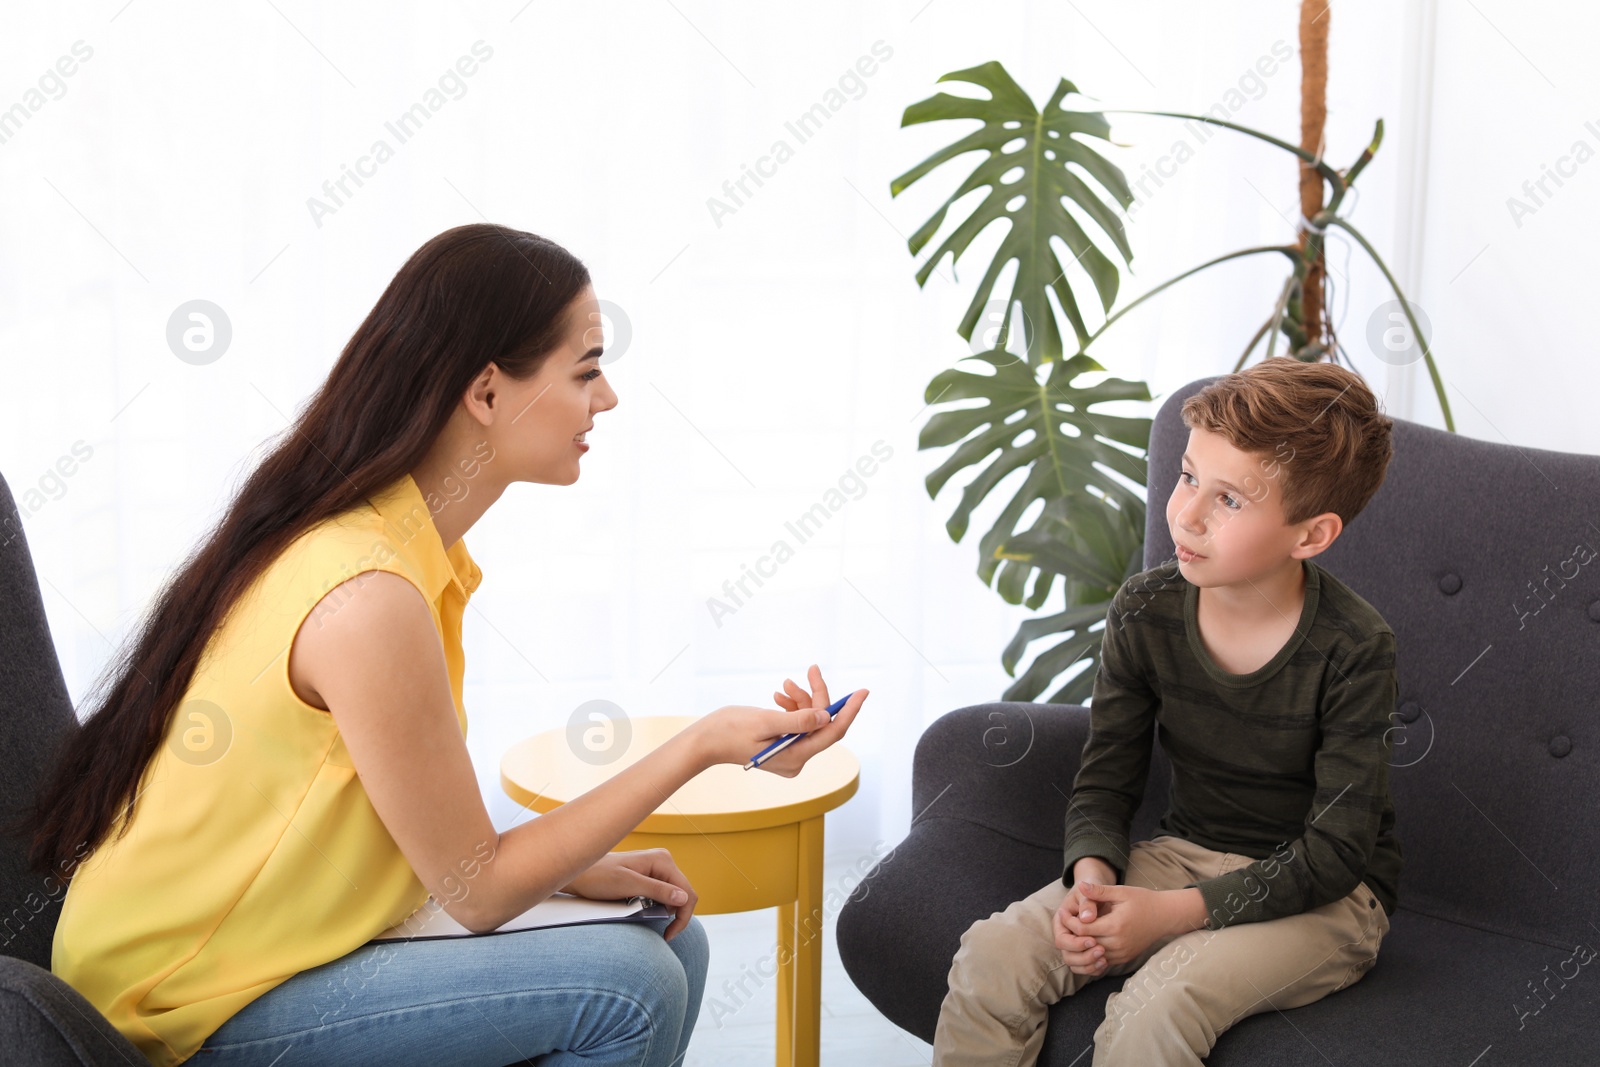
pixel 35 715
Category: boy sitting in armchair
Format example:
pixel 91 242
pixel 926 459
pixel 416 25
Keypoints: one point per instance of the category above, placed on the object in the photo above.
pixel 1270 881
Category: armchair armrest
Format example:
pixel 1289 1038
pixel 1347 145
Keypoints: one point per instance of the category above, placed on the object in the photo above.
pixel 1007 767
pixel 45 1021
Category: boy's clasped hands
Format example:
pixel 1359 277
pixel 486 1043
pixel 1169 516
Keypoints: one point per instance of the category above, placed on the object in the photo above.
pixel 1102 924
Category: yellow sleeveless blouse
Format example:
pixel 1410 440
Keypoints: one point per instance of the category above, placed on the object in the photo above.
pixel 254 852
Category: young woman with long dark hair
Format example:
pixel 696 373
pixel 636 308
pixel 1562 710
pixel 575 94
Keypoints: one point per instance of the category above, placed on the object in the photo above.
pixel 275 769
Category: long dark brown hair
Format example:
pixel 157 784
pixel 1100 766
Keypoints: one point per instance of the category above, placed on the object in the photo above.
pixel 470 296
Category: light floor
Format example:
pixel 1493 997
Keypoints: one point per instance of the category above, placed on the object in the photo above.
pixel 737 1026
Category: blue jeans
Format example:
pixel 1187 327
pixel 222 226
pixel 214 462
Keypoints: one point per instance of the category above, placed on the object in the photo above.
pixel 608 993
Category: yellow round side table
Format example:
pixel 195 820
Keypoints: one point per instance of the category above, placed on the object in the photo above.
pixel 745 840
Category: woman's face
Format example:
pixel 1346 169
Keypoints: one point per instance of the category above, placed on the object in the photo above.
pixel 550 413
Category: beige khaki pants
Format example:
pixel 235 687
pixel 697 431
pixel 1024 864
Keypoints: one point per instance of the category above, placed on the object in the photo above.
pixel 1181 993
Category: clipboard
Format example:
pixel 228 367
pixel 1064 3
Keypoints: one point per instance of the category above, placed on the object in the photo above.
pixel 432 923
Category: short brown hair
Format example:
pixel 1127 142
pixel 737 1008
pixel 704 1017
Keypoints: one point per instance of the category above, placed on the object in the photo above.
pixel 1326 441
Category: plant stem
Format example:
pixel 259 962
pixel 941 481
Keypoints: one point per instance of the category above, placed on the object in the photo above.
pixel 1277 315
pixel 1366 157
pixel 1333 177
pixel 1251 347
pixel 1405 306
pixel 1292 251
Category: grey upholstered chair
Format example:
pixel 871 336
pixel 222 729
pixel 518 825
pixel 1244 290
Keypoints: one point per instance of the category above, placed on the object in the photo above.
pixel 42 1019
pixel 1482 558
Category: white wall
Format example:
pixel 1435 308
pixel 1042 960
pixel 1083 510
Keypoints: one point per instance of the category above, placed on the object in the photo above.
pixel 770 351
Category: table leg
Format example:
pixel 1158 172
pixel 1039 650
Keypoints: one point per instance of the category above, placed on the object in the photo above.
pixel 785 1057
pixel 800 928
pixel 808 954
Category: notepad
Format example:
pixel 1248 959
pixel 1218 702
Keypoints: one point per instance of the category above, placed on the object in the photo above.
pixel 430 922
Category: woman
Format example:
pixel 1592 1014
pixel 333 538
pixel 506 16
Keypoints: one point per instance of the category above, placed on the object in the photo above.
pixel 276 771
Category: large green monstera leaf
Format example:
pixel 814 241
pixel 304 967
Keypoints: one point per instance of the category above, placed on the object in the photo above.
pixel 1068 515
pixel 1037 161
pixel 1038 419
pixel 1095 553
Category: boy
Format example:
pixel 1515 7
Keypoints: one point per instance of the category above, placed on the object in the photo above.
pixel 1271 878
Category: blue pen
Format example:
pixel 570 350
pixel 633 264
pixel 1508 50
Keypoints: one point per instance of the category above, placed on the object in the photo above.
pixel 787 739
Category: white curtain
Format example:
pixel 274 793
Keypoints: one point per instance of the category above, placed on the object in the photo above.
pixel 153 154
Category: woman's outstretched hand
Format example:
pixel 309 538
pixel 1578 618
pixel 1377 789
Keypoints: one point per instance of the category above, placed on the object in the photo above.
pixel 736 733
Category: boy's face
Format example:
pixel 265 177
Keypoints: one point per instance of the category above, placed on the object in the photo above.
pixel 1227 506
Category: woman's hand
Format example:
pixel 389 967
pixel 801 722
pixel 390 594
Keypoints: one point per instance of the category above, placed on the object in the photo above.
pixel 647 873
pixel 734 734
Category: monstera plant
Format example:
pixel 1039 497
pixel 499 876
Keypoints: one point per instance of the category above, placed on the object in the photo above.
pixel 1019 405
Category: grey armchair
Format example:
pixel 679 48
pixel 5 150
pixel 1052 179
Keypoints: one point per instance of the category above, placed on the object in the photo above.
pixel 43 1020
pixel 1482 557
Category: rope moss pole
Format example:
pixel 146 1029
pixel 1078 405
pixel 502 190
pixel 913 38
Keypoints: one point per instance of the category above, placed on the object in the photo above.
pixel 1314 18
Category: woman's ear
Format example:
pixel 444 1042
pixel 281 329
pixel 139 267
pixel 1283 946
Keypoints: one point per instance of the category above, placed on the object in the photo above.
pixel 480 395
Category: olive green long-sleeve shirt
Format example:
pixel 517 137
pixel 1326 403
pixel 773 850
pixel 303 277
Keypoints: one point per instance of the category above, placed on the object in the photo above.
pixel 1287 764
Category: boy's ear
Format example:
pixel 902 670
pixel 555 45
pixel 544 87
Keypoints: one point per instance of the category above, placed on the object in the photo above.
pixel 1318 533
